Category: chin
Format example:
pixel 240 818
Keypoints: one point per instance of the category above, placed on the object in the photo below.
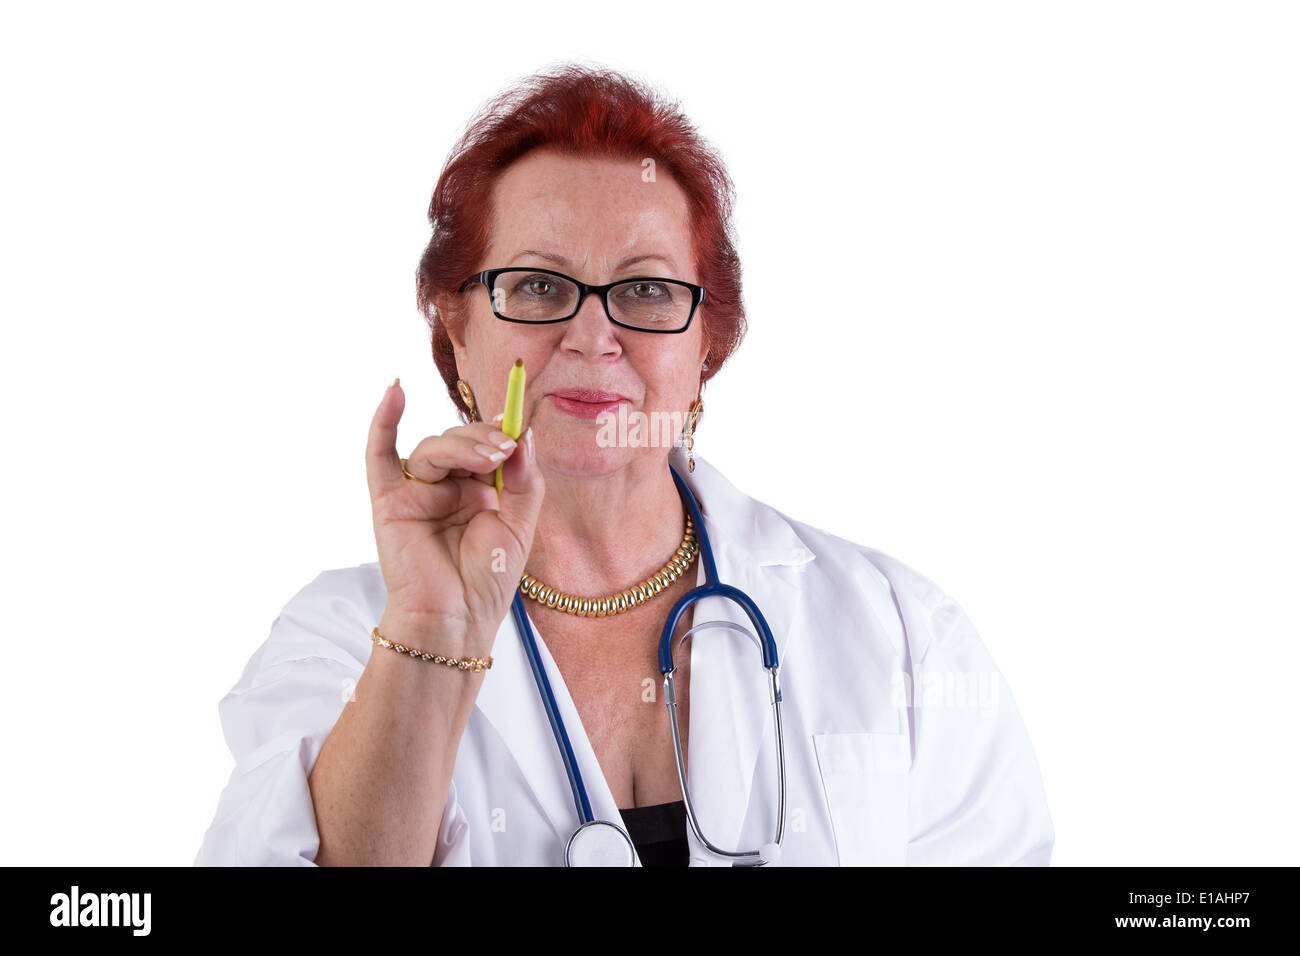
pixel 583 458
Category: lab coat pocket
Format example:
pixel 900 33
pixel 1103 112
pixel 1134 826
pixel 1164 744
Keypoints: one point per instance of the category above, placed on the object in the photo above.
pixel 865 779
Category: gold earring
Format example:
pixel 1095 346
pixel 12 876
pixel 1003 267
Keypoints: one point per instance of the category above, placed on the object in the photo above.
pixel 697 409
pixel 467 396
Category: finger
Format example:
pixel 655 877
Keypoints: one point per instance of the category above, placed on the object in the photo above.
pixel 487 433
pixel 383 466
pixel 523 488
pixel 476 454
pixel 479 429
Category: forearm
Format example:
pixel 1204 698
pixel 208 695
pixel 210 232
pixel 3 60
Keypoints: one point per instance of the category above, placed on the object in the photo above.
pixel 382 777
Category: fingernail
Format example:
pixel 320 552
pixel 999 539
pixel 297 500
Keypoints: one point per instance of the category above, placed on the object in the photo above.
pixel 490 453
pixel 502 440
pixel 499 417
pixel 395 381
pixel 532 450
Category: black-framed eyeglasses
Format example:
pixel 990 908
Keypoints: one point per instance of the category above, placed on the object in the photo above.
pixel 539 296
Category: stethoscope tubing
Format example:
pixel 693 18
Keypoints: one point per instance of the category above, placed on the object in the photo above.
pixel 711 588
pixel 583 804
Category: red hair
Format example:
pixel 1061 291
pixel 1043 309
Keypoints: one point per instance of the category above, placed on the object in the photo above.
pixel 591 112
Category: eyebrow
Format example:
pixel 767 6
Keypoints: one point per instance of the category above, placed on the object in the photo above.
pixel 630 260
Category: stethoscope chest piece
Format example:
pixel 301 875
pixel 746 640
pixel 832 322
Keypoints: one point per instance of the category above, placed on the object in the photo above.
pixel 599 843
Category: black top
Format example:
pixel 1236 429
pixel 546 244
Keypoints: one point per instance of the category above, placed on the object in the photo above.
pixel 659 833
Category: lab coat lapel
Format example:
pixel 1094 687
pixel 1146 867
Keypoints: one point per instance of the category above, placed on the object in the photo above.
pixel 730 713
pixel 511 701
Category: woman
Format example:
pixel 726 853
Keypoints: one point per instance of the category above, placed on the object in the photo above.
pixel 358 743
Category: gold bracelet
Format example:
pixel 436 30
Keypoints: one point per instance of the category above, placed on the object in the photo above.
pixel 465 664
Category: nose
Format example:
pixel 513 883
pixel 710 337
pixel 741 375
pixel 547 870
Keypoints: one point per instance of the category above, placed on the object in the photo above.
pixel 590 332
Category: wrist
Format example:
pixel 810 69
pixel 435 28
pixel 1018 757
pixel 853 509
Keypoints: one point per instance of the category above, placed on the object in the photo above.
pixel 434 687
pixel 418 626
pixel 429 634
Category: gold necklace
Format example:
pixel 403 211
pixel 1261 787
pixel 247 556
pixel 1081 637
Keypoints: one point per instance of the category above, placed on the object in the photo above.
pixel 616 603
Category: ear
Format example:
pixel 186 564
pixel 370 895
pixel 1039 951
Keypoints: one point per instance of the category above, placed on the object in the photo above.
pixel 454 317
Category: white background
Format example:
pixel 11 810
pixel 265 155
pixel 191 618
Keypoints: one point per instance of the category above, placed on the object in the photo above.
pixel 1059 379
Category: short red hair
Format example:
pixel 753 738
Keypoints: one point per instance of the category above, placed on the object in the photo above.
pixel 585 111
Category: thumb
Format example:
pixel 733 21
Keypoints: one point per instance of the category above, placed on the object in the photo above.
pixel 522 489
pixel 383 467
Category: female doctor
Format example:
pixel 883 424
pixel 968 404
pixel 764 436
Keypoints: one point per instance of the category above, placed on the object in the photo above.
pixel 620 658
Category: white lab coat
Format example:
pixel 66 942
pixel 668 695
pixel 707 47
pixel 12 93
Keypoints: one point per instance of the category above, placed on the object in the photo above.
pixel 875 775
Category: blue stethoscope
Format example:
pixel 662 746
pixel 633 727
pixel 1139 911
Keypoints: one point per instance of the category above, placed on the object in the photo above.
pixel 601 842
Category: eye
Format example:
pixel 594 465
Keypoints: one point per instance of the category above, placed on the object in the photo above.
pixel 645 290
pixel 536 285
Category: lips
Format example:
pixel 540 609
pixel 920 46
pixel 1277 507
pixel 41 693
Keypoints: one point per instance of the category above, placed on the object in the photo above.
pixel 586 402
pixel 590 396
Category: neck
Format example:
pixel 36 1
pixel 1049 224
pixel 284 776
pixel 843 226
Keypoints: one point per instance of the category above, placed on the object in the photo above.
pixel 600 535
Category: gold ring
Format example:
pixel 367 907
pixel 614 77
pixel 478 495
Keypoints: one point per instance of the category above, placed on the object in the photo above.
pixel 414 477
